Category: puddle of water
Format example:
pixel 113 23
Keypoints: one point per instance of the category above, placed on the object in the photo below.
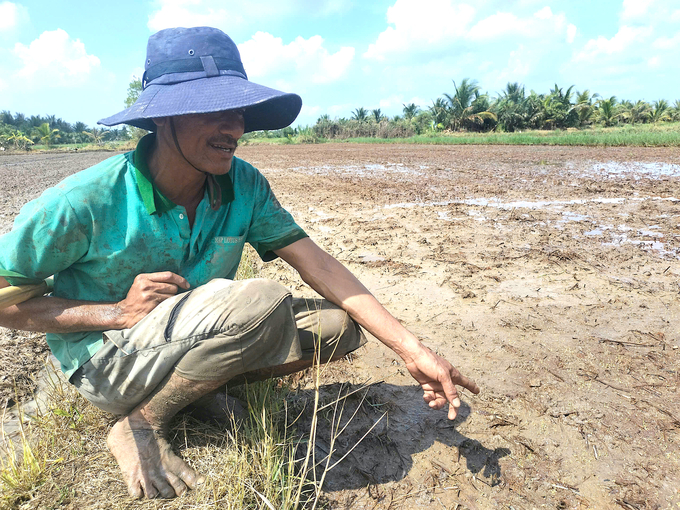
pixel 649 233
pixel 368 169
pixel 557 207
pixel 656 246
pixel 637 169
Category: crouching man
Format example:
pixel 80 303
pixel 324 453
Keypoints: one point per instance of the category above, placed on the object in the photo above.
pixel 145 318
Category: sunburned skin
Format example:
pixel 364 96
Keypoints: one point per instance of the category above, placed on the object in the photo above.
pixel 149 466
pixel 138 441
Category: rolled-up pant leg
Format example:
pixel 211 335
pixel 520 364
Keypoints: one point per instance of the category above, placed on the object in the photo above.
pixel 215 332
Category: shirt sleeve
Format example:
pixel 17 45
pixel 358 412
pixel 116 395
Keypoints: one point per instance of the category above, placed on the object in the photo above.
pixel 272 227
pixel 47 237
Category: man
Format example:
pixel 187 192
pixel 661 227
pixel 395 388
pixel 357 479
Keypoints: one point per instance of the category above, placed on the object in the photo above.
pixel 144 317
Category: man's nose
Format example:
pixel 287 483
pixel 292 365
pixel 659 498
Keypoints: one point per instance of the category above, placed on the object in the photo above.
pixel 232 124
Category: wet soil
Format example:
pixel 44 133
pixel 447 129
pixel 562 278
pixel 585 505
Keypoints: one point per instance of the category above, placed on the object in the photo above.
pixel 548 274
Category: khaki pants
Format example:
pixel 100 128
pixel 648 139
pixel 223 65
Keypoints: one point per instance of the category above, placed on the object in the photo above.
pixel 217 331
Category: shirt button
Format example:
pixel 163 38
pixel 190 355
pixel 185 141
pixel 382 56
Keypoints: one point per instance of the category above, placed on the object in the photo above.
pixel 181 216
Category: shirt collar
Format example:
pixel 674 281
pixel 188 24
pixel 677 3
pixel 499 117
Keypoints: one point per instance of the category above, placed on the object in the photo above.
pixel 154 200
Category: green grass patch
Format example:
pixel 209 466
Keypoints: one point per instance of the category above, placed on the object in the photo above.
pixel 665 134
pixel 648 135
pixel 284 140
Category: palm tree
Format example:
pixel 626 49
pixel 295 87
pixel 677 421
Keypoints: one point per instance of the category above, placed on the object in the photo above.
pixel 460 101
pixel 660 111
pixel 47 135
pixel 675 110
pixel 438 113
pixel 21 123
pixel 410 111
pixel 635 112
pixel 514 92
pixel 510 107
pixel 96 135
pixel 584 107
pixel 360 114
pixel 377 115
pixel 6 118
pixel 556 110
pixel 469 109
pixel 608 111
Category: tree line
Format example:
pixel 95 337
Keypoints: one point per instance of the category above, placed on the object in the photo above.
pixel 466 108
pixel 20 132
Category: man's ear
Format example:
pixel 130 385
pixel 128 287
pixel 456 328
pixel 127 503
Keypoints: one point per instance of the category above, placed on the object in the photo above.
pixel 160 121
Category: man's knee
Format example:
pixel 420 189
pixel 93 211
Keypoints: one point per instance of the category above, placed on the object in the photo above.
pixel 332 331
pixel 224 307
pixel 256 330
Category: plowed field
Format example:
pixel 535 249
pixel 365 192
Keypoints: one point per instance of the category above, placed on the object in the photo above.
pixel 547 274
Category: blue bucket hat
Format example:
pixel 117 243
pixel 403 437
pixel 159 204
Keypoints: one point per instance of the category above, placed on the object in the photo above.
pixel 199 70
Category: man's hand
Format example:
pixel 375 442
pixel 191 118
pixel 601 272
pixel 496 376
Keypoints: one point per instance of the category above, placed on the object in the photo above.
pixel 147 292
pixel 439 380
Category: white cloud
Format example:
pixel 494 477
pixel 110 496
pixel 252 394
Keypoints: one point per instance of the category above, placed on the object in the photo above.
pixel 571 33
pixel 336 109
pixel 497 25
pixel 391 101
pixel 193 13
pixel 56 58
pixel 441 26
pixel 635 9
pixel 421 25
pixel 308 114
pixel 667 43
pixel 545 13
pixel 302 60
pixel 648 12
pixel 521 62
pixel 621 41
pixel 11 16
pixel 543 24
pixel 422 103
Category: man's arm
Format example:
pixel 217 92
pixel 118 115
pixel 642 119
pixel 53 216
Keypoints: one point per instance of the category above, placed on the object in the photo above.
pixel 336 283
pixel 58 315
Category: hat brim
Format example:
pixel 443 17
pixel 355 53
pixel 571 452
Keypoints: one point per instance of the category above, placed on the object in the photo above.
pixel 265 108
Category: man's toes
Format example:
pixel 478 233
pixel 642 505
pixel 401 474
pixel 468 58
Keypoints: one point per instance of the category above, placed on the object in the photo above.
pixel 186 474
pixel 149 490
pixel 135 490
pixel 165 490
pixel 178 485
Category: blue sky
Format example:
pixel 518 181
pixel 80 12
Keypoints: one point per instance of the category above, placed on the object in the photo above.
pixel 74 59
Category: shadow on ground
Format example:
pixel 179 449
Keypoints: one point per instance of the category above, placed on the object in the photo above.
pixel 386 453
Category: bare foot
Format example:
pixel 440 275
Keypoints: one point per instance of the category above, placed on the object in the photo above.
pixel 149 466
pixel 218 407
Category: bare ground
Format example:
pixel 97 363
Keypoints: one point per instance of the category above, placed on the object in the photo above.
pixel 548 274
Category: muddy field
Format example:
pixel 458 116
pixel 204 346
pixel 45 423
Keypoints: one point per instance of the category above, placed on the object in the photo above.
pixel 548 274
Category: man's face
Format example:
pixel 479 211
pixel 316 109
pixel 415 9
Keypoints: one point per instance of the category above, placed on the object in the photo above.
pixel 207 140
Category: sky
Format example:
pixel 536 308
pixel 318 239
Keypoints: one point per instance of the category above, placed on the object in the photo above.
pixel 74 59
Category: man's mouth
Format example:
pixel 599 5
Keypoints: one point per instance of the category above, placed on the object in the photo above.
pixel 227 148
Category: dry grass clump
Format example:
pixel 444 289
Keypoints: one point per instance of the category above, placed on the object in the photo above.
pixel 59 458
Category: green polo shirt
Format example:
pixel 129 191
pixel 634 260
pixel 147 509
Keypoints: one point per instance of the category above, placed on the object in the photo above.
pixel 99 228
